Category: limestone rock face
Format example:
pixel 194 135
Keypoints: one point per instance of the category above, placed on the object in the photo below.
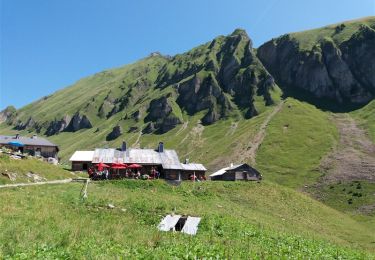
pixel 30 123
pixel 78 122
pixel 115 133
pixel 58 126
pixel 160 117
pixel 340 72
pixel 8 115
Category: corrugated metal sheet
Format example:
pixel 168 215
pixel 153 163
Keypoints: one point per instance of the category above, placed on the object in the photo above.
pixel 193 167
pixel 82 156
pixel 142 156
pixel 168 159
pixel 4 139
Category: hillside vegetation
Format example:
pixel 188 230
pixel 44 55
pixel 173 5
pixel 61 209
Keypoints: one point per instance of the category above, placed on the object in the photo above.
pixel 260 220
pixel 20 168
pixel 366 118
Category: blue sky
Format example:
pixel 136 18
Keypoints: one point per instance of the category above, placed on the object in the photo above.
pixel 47 45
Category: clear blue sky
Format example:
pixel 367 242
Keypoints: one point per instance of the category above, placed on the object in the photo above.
pixel 49 44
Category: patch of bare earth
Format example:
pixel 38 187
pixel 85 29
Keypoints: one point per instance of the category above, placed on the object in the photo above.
pixel 254 144
pixel 354 157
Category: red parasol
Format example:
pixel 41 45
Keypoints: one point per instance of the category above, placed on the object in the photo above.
pixel 134 166
pixel 119 166
pixel 101 165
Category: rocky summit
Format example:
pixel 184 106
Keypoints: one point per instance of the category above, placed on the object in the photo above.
pixel 224 79
pixel 336 63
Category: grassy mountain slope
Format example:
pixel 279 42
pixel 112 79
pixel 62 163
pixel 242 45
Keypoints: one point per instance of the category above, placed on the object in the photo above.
pixel 29 165
pixel 339 32
pixel 366 118
pixel 297 138
pixel 238 220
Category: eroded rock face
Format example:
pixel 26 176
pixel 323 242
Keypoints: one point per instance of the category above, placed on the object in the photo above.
pixel 115 133
pixel 30 123
pixel 159 108
pixel 8 115
pixel 160 117
pixel 58 126
pixel 78 122
pixel 342 73
pixel 228 79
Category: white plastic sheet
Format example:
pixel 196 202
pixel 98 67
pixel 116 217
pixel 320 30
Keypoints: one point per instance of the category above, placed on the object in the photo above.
pixel 169 222
pixel 191 225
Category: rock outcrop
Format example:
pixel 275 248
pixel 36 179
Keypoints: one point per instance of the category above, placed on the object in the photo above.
pixel 340 72
pixel 8 115
pixel 161 117
pixel 228 79
pixel 78 122
pixel 115 133
pixel 30 123
pixel 58 126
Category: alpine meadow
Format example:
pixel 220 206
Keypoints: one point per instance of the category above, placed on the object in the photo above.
pixel 300 109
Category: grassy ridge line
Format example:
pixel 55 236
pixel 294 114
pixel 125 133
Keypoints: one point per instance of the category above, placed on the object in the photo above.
pixel 238 220
pixel 307 39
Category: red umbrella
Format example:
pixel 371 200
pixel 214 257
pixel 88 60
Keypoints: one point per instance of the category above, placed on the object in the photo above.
pixel 119 166
pixel 134 166
pixel 101 165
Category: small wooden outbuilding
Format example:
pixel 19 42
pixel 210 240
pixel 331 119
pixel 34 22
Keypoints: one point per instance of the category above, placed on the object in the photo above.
pixel 237 173
pixel 81 160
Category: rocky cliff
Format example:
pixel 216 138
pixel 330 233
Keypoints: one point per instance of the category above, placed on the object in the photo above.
pixel 332 67
pixel 335 64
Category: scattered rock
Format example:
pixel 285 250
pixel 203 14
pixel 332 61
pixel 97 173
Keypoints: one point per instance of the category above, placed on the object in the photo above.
pixel 111 206
pixel 12 176
pixel 35 177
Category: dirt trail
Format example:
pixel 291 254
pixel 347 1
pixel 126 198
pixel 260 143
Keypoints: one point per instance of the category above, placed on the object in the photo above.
pixel 137 144
pixel 259 136
pixel 35 183
pixel 354 156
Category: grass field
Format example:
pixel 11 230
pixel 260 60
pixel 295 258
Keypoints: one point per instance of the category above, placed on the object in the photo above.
pixel 239 220
pixel 297 138
pixel 366 118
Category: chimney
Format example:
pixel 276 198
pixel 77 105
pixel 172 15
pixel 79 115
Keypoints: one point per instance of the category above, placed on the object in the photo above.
pixel 186 161
pixel 231 164
pixel 17 136
pixel 161 147
pixel 34 137
pixel 123 146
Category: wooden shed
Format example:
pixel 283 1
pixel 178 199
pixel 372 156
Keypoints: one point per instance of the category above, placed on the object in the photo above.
pixel 240 172
pixel 81 160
